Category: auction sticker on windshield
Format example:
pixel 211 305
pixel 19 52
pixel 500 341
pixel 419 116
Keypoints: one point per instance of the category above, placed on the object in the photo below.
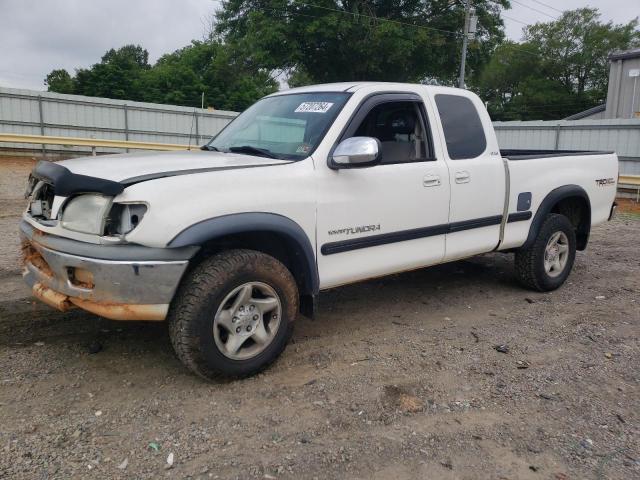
pixel 313 107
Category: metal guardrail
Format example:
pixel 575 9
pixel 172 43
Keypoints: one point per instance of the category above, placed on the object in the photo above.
pixel 91 142
pixel 632 180
pixel 629 180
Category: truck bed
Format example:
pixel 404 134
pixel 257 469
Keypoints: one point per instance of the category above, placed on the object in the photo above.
pixel 529 154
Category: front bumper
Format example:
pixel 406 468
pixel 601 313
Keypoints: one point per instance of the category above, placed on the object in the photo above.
pixel 120 282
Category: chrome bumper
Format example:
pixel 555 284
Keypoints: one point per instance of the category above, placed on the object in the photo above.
pixel 120 289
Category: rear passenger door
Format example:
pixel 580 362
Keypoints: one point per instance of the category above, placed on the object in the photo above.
pixel 476 176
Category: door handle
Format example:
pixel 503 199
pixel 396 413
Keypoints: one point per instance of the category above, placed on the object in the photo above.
pixel 463 177
pixel 430 181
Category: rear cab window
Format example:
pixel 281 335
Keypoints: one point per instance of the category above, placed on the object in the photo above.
pixel 463 130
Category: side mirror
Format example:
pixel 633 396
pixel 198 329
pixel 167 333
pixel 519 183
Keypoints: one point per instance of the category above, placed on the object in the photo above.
pixel 356 152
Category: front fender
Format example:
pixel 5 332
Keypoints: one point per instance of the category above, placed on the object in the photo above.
pixel 218 227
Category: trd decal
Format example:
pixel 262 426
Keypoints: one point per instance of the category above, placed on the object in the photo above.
pixel 603 182
pixel 354 230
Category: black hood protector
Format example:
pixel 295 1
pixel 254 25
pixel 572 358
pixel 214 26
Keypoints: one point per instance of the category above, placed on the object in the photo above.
pixel 67 183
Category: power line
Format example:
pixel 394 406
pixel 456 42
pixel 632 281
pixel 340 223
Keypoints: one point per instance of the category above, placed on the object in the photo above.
pixel 548 6
pixel 534 9
pixel 515 20
pixel 384 19
pixel 300 14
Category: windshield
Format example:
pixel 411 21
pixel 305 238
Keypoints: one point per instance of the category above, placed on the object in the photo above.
pixel 284 126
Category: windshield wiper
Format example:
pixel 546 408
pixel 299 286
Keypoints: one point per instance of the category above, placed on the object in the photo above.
pixel 209 148
pixel 255 150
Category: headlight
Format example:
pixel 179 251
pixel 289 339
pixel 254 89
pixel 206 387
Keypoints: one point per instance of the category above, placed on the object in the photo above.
pixel 86 213
pixel 124 217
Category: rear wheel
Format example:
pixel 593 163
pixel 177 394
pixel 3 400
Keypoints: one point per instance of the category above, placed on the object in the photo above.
pixel 547 263
pixel 233 314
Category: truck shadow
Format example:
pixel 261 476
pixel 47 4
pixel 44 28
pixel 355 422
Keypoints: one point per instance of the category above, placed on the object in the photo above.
pixel 457 280
pixel 25 322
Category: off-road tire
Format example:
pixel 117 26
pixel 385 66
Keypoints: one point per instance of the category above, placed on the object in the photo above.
pixel 192 311
pixel 529 262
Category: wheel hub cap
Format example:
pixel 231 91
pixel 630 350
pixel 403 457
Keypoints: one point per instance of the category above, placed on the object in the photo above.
pixel 247 320
pixel 556 254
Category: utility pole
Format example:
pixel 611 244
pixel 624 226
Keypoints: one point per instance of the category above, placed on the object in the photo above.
pixel 470 22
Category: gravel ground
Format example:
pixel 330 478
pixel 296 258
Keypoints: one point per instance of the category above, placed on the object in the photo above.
pixel 397 378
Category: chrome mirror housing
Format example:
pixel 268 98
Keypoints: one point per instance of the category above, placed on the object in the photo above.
pixel 356 152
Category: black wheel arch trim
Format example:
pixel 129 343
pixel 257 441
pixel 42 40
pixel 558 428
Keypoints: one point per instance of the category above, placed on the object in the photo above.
pixel 547 204
pixel 237 223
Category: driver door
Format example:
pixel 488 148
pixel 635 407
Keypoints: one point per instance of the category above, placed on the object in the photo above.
pixel 389 217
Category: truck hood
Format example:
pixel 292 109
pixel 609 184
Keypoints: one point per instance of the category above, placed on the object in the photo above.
pixel 139 167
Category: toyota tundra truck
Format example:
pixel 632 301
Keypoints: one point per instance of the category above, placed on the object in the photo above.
pixel 308 189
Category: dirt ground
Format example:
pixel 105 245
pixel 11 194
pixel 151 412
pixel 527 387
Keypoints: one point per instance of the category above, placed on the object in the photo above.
pixel 397 378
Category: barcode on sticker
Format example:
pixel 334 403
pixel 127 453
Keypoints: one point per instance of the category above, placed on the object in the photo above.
pixel 314 107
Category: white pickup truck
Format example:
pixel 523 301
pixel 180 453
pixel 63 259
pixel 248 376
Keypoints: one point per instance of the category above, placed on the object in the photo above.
pixel 308 189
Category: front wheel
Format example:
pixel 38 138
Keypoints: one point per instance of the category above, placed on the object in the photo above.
pixel 547 263
pixel 233 314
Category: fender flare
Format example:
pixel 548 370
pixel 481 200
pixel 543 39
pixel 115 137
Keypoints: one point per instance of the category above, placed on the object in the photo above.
pixel 218 227
pixel 552 198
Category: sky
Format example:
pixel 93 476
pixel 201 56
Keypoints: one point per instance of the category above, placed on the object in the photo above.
pixel 37 36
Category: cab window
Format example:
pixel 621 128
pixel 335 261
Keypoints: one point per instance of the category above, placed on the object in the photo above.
pixel 463 130
pixel 399 128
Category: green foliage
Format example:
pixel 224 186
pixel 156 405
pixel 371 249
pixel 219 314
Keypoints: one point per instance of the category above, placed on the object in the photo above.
pixel 574 49
pixel 560 69
pixel 59 81
pixel 385 40
pixel 118 75
pixel 178 78
pixel 181 77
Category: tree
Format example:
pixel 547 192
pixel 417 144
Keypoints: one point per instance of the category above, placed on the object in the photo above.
pixel 118 75
pixel 561 68
pixel 516 86
pixel 575 48
pixel 346 40
pixel 59 81
pixel 178 78
pixel 206 67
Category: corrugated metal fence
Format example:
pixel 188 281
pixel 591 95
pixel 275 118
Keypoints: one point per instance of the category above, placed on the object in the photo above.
pixel 619 135
pixel 43 113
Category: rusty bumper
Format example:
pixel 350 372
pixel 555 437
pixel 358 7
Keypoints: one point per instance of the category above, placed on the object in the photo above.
pixel 115 289
pixel 114 311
